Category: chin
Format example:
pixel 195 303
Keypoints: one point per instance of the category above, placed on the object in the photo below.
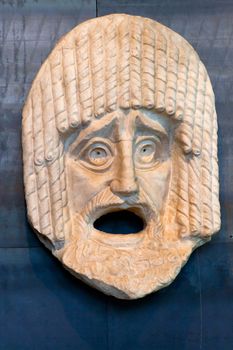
pixel 124 265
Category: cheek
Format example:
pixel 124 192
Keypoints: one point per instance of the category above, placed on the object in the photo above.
pixel 83 185
pixel 156 183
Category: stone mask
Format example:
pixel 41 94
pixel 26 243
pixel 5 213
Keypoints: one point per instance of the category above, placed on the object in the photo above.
pixel 120 120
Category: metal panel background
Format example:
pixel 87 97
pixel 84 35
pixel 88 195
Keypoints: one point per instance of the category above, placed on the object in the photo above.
pixel 41 305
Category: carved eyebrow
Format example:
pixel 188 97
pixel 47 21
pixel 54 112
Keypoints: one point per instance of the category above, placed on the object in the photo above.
pixel 106 123
pixel 143 120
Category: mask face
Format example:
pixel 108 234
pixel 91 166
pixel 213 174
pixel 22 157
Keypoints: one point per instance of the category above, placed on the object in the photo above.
pixel 122 155
pixel 102 150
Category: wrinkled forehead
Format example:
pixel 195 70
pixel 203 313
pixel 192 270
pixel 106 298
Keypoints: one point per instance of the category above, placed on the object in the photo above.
pixel 124 124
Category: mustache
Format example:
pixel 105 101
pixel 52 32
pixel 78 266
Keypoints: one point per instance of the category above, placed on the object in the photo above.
pixel 106 200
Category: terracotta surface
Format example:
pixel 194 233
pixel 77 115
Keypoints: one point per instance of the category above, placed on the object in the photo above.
pixel 121 116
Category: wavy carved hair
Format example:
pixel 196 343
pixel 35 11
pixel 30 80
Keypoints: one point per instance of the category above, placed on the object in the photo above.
pixel 127 62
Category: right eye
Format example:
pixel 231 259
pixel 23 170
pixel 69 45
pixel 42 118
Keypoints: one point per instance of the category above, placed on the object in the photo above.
pixel 97 156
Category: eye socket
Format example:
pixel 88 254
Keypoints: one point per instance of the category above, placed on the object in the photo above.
pixel 96 156
pixel 146 153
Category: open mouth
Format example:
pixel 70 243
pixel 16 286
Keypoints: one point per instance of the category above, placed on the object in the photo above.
pixel 120 222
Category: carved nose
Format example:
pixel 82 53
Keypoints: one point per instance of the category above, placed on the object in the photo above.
pixel 124 187
pixel 125 181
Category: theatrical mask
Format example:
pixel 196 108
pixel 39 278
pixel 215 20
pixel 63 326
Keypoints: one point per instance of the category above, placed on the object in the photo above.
pixel 119 127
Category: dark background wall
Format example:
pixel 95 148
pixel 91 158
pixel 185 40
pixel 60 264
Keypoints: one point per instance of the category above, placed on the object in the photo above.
pixel 41 305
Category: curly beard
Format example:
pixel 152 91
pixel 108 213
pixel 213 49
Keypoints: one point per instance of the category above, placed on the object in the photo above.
pixel 126 266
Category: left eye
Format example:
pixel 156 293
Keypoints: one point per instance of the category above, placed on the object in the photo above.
pixel 145 153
